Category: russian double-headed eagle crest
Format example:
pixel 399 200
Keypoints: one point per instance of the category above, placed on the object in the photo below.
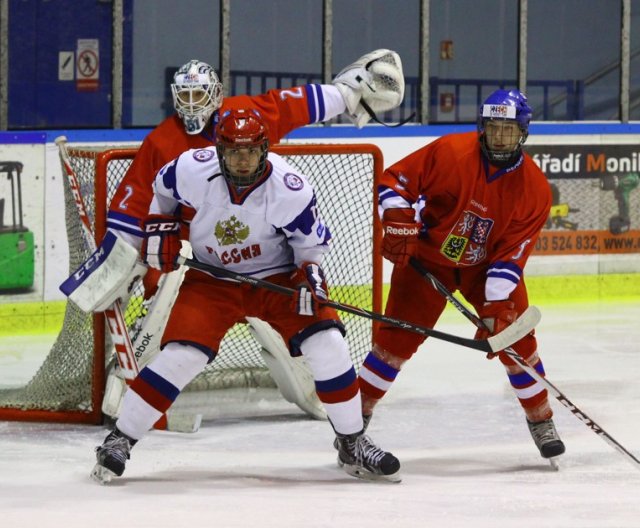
pixel 230 232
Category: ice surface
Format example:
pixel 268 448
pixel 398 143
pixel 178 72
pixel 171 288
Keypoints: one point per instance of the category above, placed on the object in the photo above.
pixel 467 457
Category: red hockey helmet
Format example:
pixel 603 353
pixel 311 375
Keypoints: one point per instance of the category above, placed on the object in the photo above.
pixel 242 143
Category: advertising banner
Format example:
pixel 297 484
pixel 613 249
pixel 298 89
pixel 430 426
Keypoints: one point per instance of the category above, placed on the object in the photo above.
pixel 21 222
pixel 596 199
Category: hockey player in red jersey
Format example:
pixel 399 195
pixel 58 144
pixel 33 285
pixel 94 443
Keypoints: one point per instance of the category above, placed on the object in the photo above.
pixel 253 204
pixel 469 207
pixel 198 101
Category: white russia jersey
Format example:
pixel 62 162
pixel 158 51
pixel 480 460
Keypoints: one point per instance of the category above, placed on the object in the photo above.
pixel 270 228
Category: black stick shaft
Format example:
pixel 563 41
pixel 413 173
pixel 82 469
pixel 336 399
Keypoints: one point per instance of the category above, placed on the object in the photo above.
pixel 557 393
pixel 478 344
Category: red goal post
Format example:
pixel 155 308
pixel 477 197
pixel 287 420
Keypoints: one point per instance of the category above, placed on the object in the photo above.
pixel 69 386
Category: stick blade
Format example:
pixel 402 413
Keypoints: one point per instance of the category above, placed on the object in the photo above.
pixel 520 328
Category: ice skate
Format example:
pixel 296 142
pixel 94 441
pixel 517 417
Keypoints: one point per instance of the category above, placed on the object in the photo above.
pixel 112 456
pixel 546 437
pixel 361 458
pixel 336 441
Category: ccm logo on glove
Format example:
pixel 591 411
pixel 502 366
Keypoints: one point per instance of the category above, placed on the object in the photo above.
pixel 161 245
pixel 162 227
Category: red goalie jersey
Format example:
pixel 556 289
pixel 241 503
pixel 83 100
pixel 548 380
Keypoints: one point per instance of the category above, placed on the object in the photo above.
pixel 283 111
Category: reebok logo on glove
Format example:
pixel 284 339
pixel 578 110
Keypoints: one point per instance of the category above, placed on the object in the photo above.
pixel 400 235
pixel 401 231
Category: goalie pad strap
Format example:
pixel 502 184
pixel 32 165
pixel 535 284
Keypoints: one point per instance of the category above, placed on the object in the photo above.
pixel 105 276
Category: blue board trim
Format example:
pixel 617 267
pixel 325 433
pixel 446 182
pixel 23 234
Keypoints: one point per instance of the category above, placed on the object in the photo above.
pixel 136 135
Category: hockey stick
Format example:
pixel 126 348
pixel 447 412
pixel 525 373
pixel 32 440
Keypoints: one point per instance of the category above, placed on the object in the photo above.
pixel 114 316
pixel 524 324
pixel 146 344
pixel 557 393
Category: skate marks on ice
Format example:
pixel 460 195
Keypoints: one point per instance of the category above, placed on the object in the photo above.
pixel 467 456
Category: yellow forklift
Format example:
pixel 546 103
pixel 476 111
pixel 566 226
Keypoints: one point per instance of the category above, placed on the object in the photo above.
pixel 16 241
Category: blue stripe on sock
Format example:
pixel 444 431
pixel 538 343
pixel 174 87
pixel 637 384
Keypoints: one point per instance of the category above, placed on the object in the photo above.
pixel 523 379
pixel 164 387
pixel 338 383
pixel 380 367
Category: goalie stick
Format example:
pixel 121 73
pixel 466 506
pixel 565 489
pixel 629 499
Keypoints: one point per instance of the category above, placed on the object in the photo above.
pixel 521 327
pixel 557 393
pixel 114 316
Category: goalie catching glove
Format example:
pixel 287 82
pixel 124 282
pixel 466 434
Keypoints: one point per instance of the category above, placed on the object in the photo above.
pixel 497 316
pixel 161 245
pixel 400 235
pixel 371 85
pixel 312 290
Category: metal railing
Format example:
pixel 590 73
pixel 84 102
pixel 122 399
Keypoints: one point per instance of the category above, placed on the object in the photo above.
pixel 467 94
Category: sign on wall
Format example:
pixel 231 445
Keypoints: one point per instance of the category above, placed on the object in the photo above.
pixel 596 199
pixel 88 65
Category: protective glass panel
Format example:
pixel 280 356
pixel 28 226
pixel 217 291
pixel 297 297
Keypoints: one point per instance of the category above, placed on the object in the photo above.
pixel 473 51
pixel 573 59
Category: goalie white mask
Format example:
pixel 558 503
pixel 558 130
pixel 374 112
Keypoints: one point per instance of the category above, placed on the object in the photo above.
pixel 197 93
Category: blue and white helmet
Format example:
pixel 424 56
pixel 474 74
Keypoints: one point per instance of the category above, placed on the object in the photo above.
pixel 197 93
pixel 504 105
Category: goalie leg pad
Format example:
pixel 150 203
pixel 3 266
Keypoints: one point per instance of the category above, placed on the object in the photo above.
pixel 292 375
pixel 107 275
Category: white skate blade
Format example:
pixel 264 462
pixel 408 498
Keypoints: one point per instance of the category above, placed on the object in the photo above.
pixel 101 474
pixel 363 474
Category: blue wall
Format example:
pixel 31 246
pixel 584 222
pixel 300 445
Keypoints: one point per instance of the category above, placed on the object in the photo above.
pixel 38 31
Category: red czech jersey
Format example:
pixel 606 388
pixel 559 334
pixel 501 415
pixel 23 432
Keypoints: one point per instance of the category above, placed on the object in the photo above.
pixel 473 213
pixel 283 110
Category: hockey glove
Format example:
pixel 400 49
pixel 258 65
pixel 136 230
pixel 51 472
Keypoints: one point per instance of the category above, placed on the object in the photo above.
pixel 161 245
pixel 400 235
pixel 312 290
pixel 375 79
pixel 496 315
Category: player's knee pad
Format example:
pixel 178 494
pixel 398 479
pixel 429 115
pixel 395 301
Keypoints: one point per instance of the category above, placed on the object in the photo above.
pixel 326 353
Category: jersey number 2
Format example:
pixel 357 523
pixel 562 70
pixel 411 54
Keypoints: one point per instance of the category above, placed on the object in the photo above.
pixel 296 93
pixel 128 192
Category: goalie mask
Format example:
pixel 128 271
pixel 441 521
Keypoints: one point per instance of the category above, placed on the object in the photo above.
pixel 197 93
pixel 242 143
pixel 503 126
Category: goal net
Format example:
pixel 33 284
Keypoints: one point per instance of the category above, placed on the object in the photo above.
pixel 69 385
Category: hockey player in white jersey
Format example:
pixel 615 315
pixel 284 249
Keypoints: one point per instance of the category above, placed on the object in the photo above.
pixel 371 85
pixel 256 215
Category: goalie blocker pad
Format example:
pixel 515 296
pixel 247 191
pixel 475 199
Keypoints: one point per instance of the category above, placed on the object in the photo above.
pixel 105 276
